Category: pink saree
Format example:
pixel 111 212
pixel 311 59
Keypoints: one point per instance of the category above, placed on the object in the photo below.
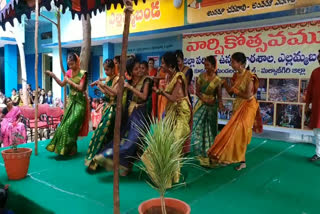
pixel 96 115
pixel 10 125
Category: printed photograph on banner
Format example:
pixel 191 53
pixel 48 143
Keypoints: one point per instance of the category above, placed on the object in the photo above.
pixel 152 15
pixel 289 116
pixel 226 114
pixel 303 90
pixel 285 51
pixel 262 90
pixel 267 112
pixel 283 90
pixel 225 94
pixel 210 10
pixel 303 93
pixel 156 60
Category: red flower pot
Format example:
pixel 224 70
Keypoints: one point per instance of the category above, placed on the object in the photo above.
pixel 16 162
pixel 172 206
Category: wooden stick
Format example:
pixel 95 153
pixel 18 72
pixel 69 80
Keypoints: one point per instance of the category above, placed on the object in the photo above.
pixel 36 76
pixel 49 19
pixel 116 138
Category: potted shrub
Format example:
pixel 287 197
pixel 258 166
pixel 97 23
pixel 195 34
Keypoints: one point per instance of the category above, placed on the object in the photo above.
pixel 162 159
pixel 16 160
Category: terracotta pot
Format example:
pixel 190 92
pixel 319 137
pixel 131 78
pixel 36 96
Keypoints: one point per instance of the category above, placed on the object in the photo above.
pixel 176 204
pixel 16 163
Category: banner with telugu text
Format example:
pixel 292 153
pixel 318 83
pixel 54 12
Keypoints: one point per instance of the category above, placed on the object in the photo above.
pixel 286 51
pixel 152 15
pixel 210 10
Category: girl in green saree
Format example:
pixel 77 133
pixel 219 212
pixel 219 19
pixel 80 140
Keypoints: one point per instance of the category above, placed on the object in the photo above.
pixel 75 118
pixel 205 119
pixel 104 132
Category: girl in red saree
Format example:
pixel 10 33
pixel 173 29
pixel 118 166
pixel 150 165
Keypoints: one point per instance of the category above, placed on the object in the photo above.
pixel 230 145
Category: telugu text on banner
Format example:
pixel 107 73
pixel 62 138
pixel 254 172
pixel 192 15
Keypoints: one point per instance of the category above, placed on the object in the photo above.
pixel 152 15
pixel 286 51
pixel 210 10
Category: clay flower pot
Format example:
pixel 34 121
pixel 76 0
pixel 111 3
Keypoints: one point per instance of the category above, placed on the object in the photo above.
pixel 16 162
pixel 172 206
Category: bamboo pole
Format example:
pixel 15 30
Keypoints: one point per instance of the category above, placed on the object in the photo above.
pixel 116 146
pixel 36 77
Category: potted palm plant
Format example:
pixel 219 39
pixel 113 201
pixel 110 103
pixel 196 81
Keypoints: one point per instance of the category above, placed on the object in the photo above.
pixel 162 159
pixel 16 160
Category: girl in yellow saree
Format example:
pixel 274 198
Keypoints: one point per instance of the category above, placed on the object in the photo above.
pixel 231 143
pixel 178 107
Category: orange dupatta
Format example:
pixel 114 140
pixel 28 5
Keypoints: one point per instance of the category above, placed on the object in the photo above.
pixel 258 124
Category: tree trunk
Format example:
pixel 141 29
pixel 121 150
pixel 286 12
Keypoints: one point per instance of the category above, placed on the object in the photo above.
pixel 24 97
pixel 116 139
pixel 58 25
pixel 60 57
pixel 36 76
pixel 86 44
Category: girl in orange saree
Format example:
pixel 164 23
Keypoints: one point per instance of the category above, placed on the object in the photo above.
pixel 231 143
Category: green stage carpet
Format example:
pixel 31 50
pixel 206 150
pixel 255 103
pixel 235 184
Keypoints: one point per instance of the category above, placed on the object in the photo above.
pixel 278 179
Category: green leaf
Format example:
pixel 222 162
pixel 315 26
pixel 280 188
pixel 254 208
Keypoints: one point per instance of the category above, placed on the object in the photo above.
pixel 162 157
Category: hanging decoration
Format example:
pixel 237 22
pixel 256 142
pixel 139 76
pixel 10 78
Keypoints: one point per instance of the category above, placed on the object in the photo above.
pixel 18 8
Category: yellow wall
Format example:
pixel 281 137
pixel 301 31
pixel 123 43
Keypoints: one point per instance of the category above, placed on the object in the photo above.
pixel 152 15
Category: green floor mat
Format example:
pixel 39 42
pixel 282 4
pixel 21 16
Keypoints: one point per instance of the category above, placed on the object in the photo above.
pixel 278 179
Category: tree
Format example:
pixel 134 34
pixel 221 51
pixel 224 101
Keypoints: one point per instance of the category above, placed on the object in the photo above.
pixel 20 45
pixel 86 44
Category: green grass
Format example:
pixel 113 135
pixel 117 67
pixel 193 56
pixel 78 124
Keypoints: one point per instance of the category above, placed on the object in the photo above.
pixel 278 179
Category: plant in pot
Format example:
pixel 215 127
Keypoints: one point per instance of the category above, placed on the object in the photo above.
pixel 16 160
pixel 162 160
